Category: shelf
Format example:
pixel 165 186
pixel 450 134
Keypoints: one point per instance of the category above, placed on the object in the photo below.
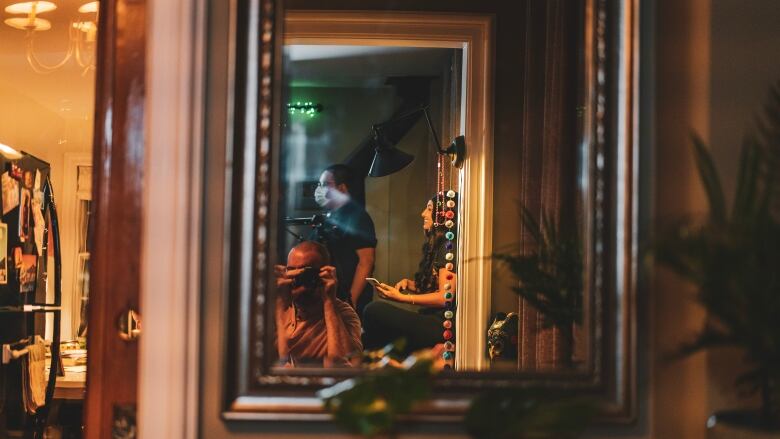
pixel 28 309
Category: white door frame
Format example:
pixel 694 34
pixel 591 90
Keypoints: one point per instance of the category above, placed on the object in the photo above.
pixel 170 266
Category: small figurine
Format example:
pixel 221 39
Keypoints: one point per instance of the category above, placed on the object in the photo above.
pixel 502 337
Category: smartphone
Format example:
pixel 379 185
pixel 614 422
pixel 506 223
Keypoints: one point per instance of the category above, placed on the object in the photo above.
pixel 373 281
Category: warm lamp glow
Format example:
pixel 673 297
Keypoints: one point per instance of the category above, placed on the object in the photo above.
pixel 85 26
pixel 81 34
pixel 27 7
pixel 87 8
pixel 36 24
pixel 9 153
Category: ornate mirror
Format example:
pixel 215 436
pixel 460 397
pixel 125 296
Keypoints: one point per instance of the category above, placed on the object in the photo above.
pixel 395 175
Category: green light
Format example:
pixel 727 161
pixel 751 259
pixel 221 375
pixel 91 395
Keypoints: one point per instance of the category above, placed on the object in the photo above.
pixel 304 108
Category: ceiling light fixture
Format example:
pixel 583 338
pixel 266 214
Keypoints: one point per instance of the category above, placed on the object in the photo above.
pixel 82 33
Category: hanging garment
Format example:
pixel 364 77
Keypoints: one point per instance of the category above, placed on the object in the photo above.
pixel 34 377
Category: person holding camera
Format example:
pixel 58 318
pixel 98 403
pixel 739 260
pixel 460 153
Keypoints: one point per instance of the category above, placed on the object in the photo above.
pixel 312 324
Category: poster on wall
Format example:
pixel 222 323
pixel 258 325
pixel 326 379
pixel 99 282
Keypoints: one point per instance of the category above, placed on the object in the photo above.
pixel 10 192
pixel 28 273
pixel 25 209
pixel 39 221
pixel 3 254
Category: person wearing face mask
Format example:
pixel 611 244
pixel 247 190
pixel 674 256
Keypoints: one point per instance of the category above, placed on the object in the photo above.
pixel 348 233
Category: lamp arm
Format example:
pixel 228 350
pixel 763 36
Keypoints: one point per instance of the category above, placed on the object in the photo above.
pixel 424 109
pixel 433 131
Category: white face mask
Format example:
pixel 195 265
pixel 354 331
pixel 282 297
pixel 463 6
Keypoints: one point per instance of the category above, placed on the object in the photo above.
pixel 321 196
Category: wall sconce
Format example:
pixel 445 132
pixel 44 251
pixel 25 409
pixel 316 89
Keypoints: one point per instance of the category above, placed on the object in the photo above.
pixel 388 159
pixel 81 33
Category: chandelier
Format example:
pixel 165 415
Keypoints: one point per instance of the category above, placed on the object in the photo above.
pixel 82 33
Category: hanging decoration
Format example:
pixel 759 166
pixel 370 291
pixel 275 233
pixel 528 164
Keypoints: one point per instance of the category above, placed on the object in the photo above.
pixel 306 108
pixel 445 214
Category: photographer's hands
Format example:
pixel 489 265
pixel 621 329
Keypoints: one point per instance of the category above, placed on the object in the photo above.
pixel 329 280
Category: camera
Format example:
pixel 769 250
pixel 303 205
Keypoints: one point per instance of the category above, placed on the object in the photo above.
pixel 309 278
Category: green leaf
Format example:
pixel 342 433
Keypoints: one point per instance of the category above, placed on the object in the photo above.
pixel 710 180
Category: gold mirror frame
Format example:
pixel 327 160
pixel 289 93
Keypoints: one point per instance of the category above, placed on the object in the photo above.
pixel 253 391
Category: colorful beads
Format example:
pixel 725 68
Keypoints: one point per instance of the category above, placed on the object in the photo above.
pixel 447 216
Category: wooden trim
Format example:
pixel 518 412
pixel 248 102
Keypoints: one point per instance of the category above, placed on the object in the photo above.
pixel 473 34
pixel 169 353
pixel 117 193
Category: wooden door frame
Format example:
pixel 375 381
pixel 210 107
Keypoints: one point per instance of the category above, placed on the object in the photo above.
pixel 117 192
pixel 145 228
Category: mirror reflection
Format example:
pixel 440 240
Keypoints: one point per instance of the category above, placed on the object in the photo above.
pixel 369 203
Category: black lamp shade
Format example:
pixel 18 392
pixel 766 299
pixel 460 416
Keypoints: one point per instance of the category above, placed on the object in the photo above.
pixel 388 160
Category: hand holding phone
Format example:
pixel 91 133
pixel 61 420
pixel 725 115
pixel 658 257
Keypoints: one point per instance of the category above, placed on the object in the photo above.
pixel 373 281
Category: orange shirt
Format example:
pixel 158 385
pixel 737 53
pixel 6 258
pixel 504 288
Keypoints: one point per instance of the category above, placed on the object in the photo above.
pixel 306 332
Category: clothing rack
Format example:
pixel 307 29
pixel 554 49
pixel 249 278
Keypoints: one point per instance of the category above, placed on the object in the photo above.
pixel 35 425
pixel 10 351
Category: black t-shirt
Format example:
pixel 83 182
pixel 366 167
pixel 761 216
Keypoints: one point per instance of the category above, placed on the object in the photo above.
pixel 346 230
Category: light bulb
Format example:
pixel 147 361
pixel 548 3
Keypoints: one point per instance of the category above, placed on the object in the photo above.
pixel 91 7
pixel 9 153
pixel 37 24
pixel 27 7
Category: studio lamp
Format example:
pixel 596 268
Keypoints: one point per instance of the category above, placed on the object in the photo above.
pixel 389 159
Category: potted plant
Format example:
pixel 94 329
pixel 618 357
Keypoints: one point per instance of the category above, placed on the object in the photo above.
pixel 550 276
pixel 732 256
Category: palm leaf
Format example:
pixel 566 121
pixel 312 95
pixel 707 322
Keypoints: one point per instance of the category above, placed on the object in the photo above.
pixel 710 180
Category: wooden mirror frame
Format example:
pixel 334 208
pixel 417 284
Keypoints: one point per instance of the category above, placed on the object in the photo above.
pixel 610 76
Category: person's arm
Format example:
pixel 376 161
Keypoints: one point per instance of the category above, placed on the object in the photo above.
pixel 342 341
pixel 364 269
pixel 283 301
pixel 406 284
pixel 434 299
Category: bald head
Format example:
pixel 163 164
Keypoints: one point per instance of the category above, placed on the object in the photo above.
pixel 308 253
